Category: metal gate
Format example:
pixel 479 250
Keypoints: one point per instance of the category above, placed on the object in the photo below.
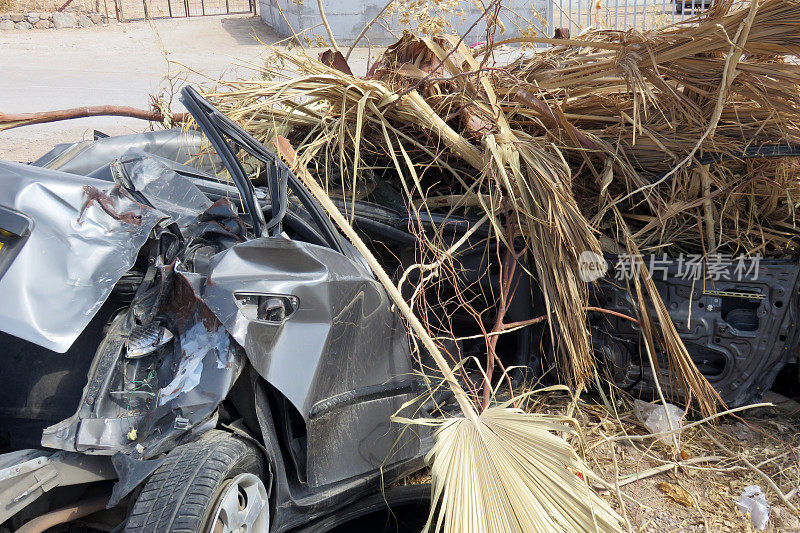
pixel 578 15
pixel 128 10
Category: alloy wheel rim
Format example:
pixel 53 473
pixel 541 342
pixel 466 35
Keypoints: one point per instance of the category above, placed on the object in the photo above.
pixel 242 506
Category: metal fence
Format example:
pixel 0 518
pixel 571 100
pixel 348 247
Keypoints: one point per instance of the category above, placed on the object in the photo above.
pixel 578 15
pixel 127 10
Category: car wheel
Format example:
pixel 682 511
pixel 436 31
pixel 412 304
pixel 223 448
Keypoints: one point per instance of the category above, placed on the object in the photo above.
pixel 213 485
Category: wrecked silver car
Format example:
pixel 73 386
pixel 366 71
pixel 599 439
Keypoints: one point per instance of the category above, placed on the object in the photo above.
pixel 185 350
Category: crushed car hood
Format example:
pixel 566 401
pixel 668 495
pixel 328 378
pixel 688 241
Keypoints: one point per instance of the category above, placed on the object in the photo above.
pixel 84 235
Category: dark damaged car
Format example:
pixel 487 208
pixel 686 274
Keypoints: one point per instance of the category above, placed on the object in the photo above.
pixel 185 351
pixel 187 343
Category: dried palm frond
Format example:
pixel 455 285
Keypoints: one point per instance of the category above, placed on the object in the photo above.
pixel 513 473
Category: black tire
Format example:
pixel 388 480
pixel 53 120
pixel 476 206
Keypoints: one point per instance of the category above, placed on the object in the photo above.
pixel 179 496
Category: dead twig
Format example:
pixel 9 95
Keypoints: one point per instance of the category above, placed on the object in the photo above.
pixel 666 468
pixel 327 26
pixel 757 471
pixel 366 29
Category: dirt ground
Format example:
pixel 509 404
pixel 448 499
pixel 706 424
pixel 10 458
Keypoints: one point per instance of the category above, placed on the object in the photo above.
pixel 715 463
pixel 120 64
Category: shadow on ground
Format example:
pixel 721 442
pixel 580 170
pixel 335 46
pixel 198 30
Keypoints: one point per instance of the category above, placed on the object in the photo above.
pixel 250 29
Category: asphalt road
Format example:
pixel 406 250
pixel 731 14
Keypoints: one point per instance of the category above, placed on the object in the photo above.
pixel 120 64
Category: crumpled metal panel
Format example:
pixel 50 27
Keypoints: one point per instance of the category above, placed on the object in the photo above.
pixel 341 358
pixel 323 281
pixel 197 342
pixel 165 189
pixel 25 475
pixel 86 235
pixel 93 157
pixel 187 380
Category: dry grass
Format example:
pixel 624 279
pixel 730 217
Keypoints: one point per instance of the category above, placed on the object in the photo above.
pixel 594 135
pixel 496 471
pixel 712 467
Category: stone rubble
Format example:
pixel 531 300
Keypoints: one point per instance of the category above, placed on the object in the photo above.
pixel 84 21
pixel 44 21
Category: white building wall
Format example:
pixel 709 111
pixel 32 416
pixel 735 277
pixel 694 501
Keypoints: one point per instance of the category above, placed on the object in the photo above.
pixel 348 17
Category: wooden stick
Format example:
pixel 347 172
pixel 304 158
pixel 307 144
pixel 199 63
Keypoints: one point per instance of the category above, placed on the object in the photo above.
pixel 666 468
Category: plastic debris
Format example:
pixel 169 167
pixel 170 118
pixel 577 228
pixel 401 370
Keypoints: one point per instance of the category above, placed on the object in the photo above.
pixel 656 417
pixel 753 502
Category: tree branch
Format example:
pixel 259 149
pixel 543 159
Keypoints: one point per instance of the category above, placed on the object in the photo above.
pixel 9 121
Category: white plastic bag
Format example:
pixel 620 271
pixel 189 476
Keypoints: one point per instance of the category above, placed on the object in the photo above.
pixel 656 417
pixel 753 502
